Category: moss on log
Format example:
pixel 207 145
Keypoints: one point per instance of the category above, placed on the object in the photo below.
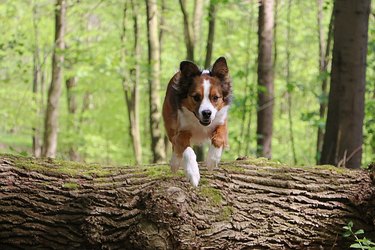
pixel 246 204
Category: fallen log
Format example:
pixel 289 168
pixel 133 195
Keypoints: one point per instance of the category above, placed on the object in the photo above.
pixel 246 204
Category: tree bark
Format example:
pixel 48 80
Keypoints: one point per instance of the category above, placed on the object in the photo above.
pixel 130 82
pixel 55 204
pixel 157 143
pixel 324 58
pixel 188 32
pixel 36 136
pixel 265 78
pixel 192 32
pixel 54 92
pixel 197 25
pixel 71 85
pixel 344 136
pixel 289 83
pixel 211 32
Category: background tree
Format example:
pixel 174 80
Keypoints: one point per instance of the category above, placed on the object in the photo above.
pixel 192 30
pixel 93 56
pixel 157 145
pixel 37 73
pixel 343 138
pixel 130 80
pixel 54 92
pixel 324 59
pixel 288 80
pixel 71 86
pixel 265 78
pixel 212 9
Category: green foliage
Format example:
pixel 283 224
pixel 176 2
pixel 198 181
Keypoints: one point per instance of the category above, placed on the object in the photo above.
pixel 361 242
pixel 93 55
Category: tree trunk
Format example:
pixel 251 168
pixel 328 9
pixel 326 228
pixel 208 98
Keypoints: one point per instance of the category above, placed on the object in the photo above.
pixel 344 136
pixel 248 102
pixel 188 32
pixel 36 140
pixel 324 58
pixel 130 82
pixel 55 204
pixel 192 32
pixel 289 85
pixel 157 143
pixel 54 92
pixel 211 33
pixel 265 79
pixel 71 84
pixel 197 25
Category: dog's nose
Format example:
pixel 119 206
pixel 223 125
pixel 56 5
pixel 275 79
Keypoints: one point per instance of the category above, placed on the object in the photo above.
pixel 206 114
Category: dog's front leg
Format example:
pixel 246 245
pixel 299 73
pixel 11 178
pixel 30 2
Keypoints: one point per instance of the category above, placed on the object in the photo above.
pixel 183 153
pixel 218 142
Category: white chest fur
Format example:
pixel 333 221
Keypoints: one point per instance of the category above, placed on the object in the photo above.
pixel 200 134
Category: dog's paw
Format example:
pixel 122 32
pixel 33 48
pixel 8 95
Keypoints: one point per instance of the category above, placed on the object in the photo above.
pixel 191 166
pixel 213 157
pixel 175 163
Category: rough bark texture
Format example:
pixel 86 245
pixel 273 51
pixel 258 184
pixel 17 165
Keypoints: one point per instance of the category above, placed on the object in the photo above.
pixel 158 147
pixel 265 78
pixel 46 203
pixel 54 92
pixel 344 136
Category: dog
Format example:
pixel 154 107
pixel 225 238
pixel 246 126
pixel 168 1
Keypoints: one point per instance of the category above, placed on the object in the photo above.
pixel 194 112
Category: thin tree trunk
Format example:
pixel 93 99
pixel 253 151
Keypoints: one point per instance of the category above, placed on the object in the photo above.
pixel 36 137
pixel 288 84
pixel 197 25
pixel 240 206
pixel 324 58
pixel 135 74
pixel 265 78
pixel 54 92
pixel 247 108
pixel 167 144
pixel 161 31
pixel 130 82
pixel 71 84
pixel 157 144
pixel 344 136
pixel 211 33
pixel 190 42
pixel 188 32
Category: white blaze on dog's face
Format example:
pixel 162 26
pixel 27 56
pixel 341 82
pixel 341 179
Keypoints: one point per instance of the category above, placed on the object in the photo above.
pixel 208 92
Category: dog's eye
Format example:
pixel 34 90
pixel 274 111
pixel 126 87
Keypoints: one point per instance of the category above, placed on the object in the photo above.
pixel 215 98
pixel 196 98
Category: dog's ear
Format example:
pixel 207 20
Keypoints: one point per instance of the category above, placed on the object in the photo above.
pixel 221 71
pixel 189 69
pixel 220 68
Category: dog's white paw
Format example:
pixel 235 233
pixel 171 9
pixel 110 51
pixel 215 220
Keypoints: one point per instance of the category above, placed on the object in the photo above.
pixel 213 157
pixel 175 163
pixel 191 166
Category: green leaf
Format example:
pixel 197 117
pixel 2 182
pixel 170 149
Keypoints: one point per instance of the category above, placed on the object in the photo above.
pixel 360 231
pixel 350 224
pixel 356 245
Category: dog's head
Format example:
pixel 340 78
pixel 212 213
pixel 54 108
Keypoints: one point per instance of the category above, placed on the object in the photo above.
pixel 206 92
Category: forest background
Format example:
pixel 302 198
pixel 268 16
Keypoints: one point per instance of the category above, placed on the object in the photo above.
pixel 99 40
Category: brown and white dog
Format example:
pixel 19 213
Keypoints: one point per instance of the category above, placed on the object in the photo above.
pixel 195 111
